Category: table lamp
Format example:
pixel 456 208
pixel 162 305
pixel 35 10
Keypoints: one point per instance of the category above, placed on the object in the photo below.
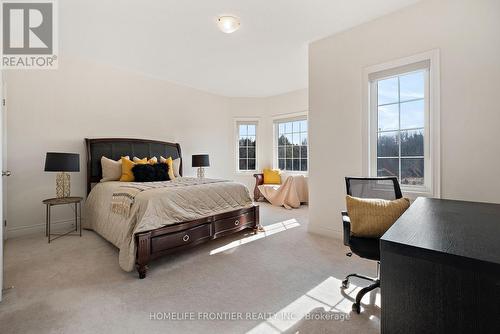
pixel 62 163
pixel 200 161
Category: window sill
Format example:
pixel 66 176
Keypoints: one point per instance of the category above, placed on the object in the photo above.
pixel 286 172
pixel 246 172
pixel 413 193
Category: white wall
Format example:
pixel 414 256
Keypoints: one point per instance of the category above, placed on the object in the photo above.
pixel 56 110
pixel 467 34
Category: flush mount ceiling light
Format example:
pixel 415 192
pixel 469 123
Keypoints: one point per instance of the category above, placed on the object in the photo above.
pixel 228 23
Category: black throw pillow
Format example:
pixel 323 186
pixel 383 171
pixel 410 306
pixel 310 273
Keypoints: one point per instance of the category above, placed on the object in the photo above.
pixel 161 172
pixel 144 173
pixel 150 173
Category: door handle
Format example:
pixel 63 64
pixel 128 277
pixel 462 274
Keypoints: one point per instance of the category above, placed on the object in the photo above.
pixel 6 173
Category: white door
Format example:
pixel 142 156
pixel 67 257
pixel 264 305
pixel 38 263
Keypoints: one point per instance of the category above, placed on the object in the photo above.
pixel 1 188
pixel 2 117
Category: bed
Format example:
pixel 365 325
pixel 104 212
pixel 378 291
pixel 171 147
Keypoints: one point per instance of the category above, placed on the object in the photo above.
pixel 172 216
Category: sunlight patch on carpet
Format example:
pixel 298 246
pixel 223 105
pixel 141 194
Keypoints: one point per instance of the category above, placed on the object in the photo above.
pixel 325 299
pixel 268 231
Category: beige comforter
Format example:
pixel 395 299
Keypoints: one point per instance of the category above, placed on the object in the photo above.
pixel 182 199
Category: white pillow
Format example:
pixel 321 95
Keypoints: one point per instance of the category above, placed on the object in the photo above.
pixel 111 170
pixel 177 166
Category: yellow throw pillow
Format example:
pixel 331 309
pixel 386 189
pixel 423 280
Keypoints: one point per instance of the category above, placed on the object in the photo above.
pixel 127 165
pixel 170 164
pixel 371 218
pixel 151 161
pixel 272 176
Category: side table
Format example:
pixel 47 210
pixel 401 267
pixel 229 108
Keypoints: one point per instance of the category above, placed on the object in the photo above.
pixel 49 203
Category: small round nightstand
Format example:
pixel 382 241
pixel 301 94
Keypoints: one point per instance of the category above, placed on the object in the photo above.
pixel 60 201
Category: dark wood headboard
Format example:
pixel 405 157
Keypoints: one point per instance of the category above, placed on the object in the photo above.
pixel 115 148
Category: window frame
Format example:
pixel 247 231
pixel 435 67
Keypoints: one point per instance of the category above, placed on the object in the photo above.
pixel 237 123
pixel 431 187
pixel 374 132
pixel 287 119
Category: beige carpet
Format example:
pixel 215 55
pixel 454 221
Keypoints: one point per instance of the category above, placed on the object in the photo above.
pixel 282 281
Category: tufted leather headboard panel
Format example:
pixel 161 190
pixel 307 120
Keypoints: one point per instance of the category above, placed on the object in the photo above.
pixel 115 148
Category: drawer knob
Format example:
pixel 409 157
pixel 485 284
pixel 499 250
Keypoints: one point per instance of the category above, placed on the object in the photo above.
pixel 186 237
pixel 237 222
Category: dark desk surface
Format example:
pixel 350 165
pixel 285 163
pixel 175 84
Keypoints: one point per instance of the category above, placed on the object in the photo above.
pixel 440 269
pixel 465 229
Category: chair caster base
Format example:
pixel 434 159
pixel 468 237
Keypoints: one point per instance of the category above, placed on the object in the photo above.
pixel 345 284
pixel 356 308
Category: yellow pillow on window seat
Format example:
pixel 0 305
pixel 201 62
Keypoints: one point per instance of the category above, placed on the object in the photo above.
pixel 127 165
pixel 272 176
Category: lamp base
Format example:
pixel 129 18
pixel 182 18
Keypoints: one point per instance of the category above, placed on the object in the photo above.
pixel 200 173
pixel 63 185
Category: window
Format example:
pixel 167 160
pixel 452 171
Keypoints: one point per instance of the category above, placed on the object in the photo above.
pixel 247 145
pixel 292 145
pixel 401 104
pixel 403 122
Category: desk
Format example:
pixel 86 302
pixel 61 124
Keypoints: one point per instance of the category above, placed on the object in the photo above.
pixel 440 269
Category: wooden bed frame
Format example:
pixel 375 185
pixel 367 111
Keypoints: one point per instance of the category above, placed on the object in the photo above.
pixel 182 235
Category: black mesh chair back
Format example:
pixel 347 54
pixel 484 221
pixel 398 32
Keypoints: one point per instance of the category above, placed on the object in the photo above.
pixel 374 187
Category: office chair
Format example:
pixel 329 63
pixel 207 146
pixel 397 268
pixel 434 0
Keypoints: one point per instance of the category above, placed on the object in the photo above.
pixel 369 248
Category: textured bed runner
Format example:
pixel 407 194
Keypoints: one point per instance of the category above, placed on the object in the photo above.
pixel 124 196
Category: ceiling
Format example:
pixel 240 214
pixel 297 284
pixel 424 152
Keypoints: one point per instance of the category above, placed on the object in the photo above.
pixel 178 40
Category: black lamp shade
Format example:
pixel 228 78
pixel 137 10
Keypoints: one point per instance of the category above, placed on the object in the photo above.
pixel 200 160
pixel 62 162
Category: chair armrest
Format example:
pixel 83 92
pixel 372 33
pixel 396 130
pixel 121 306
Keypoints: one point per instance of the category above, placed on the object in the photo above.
pixel 259 180
pixel 346 222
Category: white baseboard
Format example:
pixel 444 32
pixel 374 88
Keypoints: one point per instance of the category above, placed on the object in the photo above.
pixel 19 231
